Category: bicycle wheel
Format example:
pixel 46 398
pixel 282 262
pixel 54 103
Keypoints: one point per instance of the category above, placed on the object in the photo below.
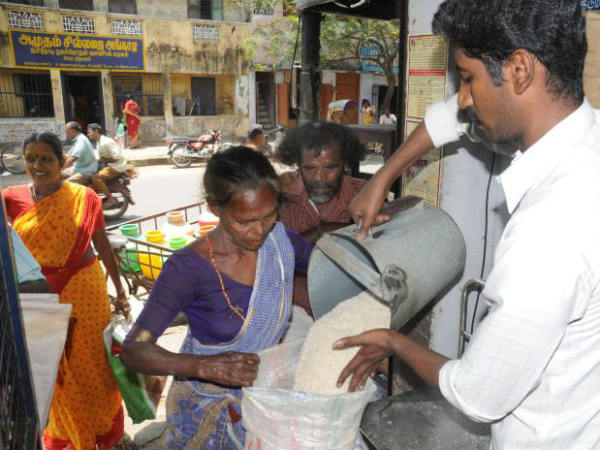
pixel 12 159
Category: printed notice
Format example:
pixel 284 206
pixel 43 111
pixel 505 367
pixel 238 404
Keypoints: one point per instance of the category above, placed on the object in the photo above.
pixel 427 66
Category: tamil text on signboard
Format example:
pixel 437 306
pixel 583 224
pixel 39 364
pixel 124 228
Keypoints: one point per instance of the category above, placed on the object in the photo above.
pixel 33 49
pixel 590 4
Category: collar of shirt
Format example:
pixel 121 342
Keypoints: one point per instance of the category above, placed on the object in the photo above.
pixel 530 166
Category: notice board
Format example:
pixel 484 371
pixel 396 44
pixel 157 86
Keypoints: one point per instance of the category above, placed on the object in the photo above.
pixel 32 49
pixel 427 67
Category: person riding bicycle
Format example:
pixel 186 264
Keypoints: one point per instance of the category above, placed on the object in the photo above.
pixel 111 158
pixel 80 163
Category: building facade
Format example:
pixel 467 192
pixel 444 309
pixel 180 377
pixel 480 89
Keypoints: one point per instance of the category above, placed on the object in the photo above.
pixel 186 65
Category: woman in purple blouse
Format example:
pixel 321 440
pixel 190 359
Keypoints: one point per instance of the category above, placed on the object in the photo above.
pixel 235 287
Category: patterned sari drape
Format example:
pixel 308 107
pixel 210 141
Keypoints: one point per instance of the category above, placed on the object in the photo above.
pixel 86 407
pixel 206 416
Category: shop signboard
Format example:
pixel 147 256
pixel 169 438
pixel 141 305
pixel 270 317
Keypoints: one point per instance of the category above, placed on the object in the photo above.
pixel 367 63
pixel 77 51
pixel 590 4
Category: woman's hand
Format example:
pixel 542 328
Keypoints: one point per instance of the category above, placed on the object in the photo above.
pixel 229 369
pixel 122 304
pixel 376 346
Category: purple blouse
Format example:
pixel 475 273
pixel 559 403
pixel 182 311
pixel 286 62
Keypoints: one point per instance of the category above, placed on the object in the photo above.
pixel 189 283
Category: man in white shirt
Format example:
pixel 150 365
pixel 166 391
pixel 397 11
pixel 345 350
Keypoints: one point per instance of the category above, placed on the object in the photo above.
pixel 387 118
pixel 111 155
pixel 532 368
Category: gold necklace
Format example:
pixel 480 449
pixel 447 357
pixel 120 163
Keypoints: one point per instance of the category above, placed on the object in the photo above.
pixel 236 309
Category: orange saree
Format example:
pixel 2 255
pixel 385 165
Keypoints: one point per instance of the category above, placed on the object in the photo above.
pixel 86 410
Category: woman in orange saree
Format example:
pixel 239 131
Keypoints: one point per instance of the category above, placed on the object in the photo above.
pixel 131 110
pixel 57 222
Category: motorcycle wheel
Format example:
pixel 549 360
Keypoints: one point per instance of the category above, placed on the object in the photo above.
pixel 118 211
pixel 12 159
pixel 180 157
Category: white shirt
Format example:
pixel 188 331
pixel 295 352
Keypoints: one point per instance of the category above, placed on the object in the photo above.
pixel 533 364
pixel 109 149
pixel 387 120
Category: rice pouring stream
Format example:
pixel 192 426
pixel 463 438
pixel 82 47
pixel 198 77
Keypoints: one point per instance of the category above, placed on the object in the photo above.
pixel 320 366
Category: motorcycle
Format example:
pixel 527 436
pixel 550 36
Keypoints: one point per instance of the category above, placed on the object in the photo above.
pixel 119 188
pixel 183 149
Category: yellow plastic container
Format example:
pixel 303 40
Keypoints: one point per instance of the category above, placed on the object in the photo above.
pixel 150 258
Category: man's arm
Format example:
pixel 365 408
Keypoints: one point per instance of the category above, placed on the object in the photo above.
pixel 441 126
pixel 69 161
pixel 365 207
pixel 378 345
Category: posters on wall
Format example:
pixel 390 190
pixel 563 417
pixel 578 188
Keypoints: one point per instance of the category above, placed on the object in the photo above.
pixel 427 66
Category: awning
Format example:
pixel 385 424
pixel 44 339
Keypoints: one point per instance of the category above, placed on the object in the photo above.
pixel 373 9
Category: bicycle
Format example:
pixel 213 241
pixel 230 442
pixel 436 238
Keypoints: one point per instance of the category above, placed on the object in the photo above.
pixel 12 160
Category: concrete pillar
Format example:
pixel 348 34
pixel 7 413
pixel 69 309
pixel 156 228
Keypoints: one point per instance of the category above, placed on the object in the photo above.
pixel 168 104
pixel 101 5
pixel 57 96
pixel 252 96
pixel 309 76
pixel 110 123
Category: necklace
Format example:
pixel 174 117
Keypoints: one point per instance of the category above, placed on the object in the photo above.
pixel 236 309
pixel 37 197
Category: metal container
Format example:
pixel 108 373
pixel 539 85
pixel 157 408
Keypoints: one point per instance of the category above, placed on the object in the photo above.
pixel 404 263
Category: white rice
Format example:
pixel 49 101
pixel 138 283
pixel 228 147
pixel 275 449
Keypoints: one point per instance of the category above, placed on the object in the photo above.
pixel 320 366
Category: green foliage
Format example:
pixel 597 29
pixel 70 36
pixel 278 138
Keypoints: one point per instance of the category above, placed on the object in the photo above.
pixel 272 46
pixel 341 39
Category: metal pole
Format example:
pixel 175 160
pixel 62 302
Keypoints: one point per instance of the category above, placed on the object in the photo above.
pixel 309 75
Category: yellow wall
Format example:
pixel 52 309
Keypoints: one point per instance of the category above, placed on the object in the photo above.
pixel 10 104
pixel 591 75
pixel 169 44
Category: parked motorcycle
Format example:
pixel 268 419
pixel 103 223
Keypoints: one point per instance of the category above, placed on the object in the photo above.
pixel 183 149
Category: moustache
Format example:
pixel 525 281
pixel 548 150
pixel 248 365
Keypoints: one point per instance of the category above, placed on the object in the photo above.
pixel 468 115
pixel 320 185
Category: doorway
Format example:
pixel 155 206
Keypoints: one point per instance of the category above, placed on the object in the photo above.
pixel 82 97
pixel 266 99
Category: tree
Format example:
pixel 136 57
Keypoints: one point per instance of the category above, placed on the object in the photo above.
pixel 342 38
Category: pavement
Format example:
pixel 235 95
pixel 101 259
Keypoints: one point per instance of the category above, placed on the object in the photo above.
pixel 148 156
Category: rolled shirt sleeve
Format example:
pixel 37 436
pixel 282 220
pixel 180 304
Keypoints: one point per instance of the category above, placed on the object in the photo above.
pixel 441 121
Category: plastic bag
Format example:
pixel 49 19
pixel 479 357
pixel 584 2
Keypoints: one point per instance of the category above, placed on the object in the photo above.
pixel 141 393
pixel 278 418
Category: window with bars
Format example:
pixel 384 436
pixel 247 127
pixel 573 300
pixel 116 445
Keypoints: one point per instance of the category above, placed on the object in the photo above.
pixel 24 19
pixel 126 27
pixel 25 95
pixel 205 9
pixel 28 2
pixel 146 90
pixel 86 5
pixel 203 101
pixel 78 24
pixel 206 32
pixel 122 6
